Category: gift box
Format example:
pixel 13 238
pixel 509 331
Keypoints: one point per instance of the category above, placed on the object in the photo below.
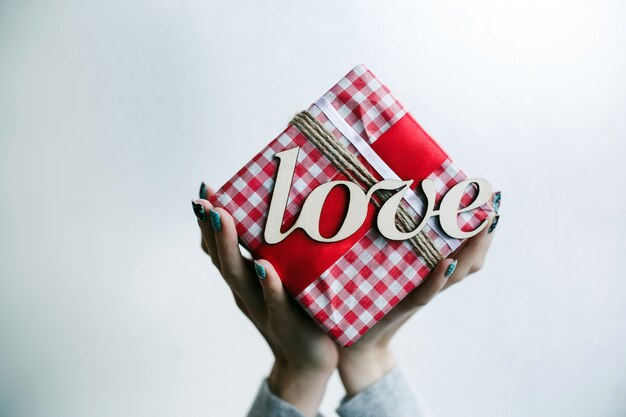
pixel 357 132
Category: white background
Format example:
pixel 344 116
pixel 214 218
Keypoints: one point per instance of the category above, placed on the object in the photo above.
pixel 112 112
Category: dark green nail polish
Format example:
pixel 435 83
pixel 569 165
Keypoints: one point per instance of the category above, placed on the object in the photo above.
pixel 496 201
pixel 203 191
pixel 450 269
pixel 494 224
pixel 260 270
pixel 198 209
pixel 216 222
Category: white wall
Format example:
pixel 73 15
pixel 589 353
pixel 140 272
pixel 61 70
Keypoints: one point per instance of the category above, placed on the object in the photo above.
pixel 112 112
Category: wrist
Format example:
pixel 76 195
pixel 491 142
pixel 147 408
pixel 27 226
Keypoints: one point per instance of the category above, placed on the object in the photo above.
pixel 360 368
pixel 302 388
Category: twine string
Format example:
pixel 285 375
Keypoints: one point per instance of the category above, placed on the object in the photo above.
pixel 351 167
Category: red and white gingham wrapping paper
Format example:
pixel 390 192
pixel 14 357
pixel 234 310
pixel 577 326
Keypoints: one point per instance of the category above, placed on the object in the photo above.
pixel 370 278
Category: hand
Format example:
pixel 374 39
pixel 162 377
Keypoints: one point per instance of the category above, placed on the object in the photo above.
pixel 370 357
pixel 304 357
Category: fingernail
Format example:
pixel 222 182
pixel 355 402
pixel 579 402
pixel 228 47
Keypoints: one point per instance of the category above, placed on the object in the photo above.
pixel 496 201
pixel 450 269
pixel 198 209
pixel 203 191
pixel 260 270
pixel 216 222
pixel 494 224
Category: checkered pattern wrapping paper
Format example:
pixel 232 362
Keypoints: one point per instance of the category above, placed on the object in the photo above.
pixel 371 276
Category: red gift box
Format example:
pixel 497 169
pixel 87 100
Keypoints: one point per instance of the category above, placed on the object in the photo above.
pixel 349 285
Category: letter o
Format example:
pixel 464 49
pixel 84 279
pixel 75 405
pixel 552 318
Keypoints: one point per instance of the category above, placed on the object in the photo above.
pixel 312 210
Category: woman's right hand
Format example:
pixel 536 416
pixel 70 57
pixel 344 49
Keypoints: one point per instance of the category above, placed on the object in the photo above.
pixel 370 357
pixel 305 357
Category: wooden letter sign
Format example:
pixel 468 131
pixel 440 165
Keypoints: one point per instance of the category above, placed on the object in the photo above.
pixel 309 218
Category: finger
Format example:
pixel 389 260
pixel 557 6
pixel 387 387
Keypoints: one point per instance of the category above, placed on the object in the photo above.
pixel 283 313
pixel 259 319
pixel 472 254
pixel 236 270
pixel 434 282
pixel 204 247
pixel 226 241
pixel 208 238
pixel 241 305
pixel 292 327
pixel 497 197
pixel 205 192
pixel 274 294
pixel 202 209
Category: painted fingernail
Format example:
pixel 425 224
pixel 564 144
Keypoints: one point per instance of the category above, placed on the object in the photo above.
pixel 494 224
pixel 203 191
pixel 451 269
pixel 496 201
pixel 260 270
pixel 198 209
pixel 216 222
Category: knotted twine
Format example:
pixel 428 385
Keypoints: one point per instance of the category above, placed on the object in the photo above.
pixel 352 168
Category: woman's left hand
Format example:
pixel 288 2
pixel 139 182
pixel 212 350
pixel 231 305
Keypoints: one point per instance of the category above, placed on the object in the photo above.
pixel 305 357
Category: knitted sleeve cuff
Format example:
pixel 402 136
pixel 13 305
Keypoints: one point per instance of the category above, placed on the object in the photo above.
pixel 390 396
pixel 266 404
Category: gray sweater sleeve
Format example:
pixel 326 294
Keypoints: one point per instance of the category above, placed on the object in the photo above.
pixel 266 404
pixel 390 396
